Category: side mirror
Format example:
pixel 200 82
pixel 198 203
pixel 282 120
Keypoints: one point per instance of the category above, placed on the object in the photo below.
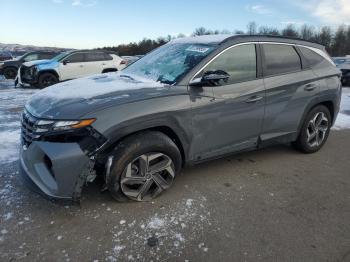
pixel 64 62
pixel 211 78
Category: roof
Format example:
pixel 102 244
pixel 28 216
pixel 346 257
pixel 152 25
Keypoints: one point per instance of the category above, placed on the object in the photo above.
pixel 221 39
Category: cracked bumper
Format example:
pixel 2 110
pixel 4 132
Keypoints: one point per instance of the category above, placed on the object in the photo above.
pixel 58 170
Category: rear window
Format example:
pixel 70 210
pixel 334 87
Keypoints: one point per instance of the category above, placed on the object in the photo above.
pixel 281 59
pixel 312 57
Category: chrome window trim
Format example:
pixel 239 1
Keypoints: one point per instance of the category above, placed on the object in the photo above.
pixel 316 50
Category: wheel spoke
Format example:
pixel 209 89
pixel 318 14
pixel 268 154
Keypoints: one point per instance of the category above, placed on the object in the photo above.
pixel 144 189
pixel 160 166
pixel 160 181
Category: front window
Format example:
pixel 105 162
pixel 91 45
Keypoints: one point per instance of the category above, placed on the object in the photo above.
pixel 170 62
pixel 238 62
pixel 60 56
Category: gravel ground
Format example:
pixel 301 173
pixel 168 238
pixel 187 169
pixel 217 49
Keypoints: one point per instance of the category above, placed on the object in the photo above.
pixel 269 205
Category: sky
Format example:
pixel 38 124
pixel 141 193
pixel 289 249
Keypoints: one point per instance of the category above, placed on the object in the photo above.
pixel 98 23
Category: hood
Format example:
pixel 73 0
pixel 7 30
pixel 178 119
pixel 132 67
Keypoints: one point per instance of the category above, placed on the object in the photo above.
pixel 37 62
pixel 74 99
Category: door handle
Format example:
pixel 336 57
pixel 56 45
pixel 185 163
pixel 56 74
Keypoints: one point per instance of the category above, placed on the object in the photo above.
pixel 81 65
pixel 310 87
pixel 254 99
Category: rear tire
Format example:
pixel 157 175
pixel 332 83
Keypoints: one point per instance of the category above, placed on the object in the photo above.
pixel 314 131
pixel 142 166
pixel 47 79
pixel 10 72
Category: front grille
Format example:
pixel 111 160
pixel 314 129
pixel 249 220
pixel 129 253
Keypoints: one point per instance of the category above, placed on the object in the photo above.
pixel 28 130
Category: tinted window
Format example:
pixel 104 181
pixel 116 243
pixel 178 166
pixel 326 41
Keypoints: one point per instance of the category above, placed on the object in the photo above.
pixel 281 59
pixel 96 56
pixel 239 62
pixel 75 58
pixel 312 57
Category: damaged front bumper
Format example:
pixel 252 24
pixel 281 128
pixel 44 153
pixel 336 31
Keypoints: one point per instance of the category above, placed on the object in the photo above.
pixel 59 170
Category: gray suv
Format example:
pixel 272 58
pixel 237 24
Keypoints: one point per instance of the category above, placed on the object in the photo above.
pixel 191 100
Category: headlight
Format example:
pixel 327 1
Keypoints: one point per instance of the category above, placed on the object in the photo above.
pixel 47 125
pixel 1 65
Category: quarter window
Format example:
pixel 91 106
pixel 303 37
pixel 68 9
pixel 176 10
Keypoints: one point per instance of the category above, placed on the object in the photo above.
pixel 239 62
pixel 312 57
pixel 281 59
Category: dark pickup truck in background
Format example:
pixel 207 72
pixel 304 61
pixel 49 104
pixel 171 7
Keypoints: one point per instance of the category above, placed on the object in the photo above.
pixel 9 68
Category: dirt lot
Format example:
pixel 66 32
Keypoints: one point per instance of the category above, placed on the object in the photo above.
pixel 270 205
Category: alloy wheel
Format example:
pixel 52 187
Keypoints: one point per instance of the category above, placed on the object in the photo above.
pixel 147 176
pixel 317 129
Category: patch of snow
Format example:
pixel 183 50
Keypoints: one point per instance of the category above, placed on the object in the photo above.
pixel 59 237
pixel 8 216
pixel 122 222
pixel 168 227
pixel 156 223
pixel 343 119
pixel 94 86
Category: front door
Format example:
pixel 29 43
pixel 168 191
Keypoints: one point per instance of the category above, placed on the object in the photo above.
pixel 72 66
pixel 228 115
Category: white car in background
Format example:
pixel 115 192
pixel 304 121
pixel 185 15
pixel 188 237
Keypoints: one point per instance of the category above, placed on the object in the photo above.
pixel 67 66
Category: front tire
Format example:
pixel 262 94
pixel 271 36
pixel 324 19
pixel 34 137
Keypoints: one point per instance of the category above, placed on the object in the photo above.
pixel 47 79
pixel 10 73
pixel 314 131
pixel 143 166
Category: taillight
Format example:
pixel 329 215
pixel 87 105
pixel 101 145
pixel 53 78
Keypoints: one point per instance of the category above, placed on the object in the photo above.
pixel 124 62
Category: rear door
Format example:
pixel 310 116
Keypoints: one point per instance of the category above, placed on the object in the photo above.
pixel 95 62
pixel 290 87
pixel 232 119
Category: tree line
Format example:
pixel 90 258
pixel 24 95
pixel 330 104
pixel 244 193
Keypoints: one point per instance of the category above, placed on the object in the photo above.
pixel 336 41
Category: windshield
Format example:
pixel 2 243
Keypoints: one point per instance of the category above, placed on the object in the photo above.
pixel 170 62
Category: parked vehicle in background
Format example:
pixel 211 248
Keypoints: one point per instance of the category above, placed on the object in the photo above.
pixel 130 59
pixel 340 60
pixel 345 69
pixel 191 100
pixel 9 68
pixel 67 66
pixel 5 56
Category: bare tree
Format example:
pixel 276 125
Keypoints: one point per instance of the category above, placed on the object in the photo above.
pixel 265 30
pixel 290 31
pixel 252 28
pixel 307 32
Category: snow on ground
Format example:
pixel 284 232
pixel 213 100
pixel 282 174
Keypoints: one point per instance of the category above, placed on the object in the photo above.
pixel 12 101
pixel 343 119
pixel 162 233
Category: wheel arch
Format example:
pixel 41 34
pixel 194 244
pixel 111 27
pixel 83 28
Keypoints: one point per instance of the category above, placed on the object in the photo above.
pixel 49 71
pixel 329 103
pixel 169 130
